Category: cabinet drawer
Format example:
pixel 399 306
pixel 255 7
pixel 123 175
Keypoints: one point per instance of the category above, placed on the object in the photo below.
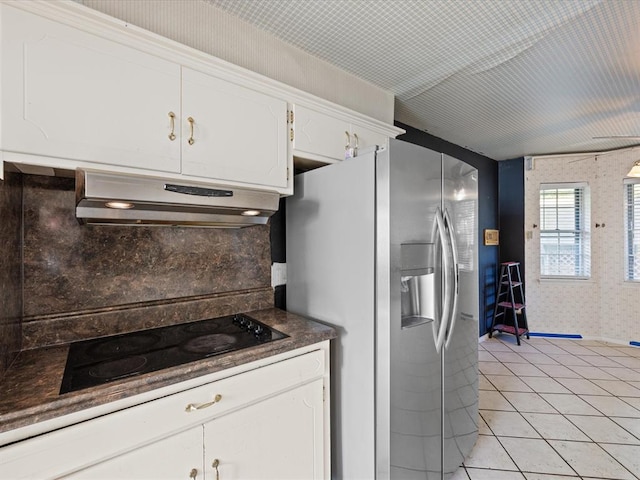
pixel 84 444
pixel 246 388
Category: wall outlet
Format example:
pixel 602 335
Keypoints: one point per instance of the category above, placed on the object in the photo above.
pixel 278 274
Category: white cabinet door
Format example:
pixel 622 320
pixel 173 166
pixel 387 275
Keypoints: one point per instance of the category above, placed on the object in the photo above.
pixel 366 138
pixel 326 138
pixel 318 136
pixel 175 457
pixel 278 438
pixel 70 94
pixel 238 134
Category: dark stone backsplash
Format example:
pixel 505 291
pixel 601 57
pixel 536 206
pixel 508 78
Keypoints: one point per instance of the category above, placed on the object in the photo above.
pixel 63 329
pixel 61 281
pixel 10 269
pixel 74 268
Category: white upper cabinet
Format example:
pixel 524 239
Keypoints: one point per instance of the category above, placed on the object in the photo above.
pixel 80 89
pixel 317 136
pixel 72 95
pixel 73 99
pixel 327 138
pixel 231 132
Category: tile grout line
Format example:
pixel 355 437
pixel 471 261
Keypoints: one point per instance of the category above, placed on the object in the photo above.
pixel 517 411
pixel 590 381
pixel 585 433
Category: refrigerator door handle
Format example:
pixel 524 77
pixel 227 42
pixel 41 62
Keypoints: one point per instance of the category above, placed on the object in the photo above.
pixel 446 259
pixel 456 279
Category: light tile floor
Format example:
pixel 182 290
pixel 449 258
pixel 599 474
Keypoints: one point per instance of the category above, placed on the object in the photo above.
pixel 556 409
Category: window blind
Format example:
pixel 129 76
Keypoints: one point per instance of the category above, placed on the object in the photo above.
pixel 466 235
pixel 565 247
pixel 632 229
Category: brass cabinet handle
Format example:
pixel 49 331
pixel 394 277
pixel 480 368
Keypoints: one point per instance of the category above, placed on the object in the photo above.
pixel 172 135
pixel 192 407
pixel 191 122
pixel 355 148
pixel 215 464
pixel 193 473
pixel 348 140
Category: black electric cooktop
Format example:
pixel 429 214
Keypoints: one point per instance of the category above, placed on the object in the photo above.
pixel 102 360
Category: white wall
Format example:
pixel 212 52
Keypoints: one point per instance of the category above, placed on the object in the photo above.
pixel 202 26
pixel 605 305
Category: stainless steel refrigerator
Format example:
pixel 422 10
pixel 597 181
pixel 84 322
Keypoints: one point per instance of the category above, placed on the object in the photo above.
pixel 383 247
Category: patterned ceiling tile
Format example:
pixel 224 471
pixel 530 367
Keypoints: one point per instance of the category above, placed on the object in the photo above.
pixel 506 78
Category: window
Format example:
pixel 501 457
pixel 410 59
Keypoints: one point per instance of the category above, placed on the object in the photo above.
pixel 632 229
pixel 565 244
pixel 464 213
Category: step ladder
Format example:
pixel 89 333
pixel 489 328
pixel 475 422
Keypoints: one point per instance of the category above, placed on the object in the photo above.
pixel 509 315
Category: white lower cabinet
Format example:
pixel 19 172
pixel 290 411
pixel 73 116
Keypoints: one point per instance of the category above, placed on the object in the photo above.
pixel 177 457
pixel 273 439
pixel 267 422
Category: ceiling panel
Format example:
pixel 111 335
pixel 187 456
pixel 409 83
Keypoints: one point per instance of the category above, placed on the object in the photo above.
pixel 505 78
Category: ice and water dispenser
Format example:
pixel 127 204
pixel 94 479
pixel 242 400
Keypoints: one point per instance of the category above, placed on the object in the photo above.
pixel 417 284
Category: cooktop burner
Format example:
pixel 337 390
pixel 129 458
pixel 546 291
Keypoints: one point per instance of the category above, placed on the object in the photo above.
pixel 122 367
pixel 102 360
pixel 212 342
pixel 126 345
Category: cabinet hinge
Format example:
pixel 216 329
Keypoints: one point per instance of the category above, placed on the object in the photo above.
pixel 324 393
pixel 291 117
pixel 291 134
pixel 287 173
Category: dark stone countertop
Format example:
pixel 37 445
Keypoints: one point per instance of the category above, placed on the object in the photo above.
pixel 29 389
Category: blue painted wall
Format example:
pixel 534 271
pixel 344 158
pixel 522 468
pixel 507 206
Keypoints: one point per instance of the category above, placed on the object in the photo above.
pixel 511 211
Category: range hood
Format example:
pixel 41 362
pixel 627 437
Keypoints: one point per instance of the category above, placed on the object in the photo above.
pixel 114 199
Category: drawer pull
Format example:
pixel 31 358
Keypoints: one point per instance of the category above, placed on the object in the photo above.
pixel 192 407
pixel 191 121
pixel 172 135
pixel 215 465
pixel 194 473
